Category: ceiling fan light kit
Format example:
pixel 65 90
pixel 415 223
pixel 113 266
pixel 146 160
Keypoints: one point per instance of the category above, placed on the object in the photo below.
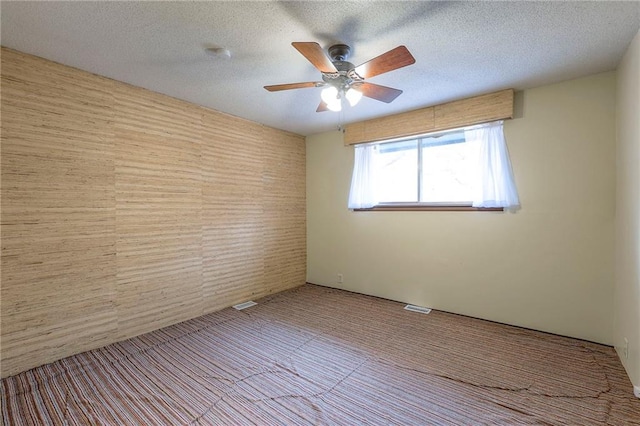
pixel 331 96
pixel 334 97
pixel 344 81
pixel 353 96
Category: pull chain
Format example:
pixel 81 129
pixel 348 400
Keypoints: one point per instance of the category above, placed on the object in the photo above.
pixel 341 116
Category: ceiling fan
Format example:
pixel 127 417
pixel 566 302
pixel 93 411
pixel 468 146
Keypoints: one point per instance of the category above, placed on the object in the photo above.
pixel 344 81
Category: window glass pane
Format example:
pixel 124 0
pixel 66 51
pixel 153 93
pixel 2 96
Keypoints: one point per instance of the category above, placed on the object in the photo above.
pixel 396 171
pixel 447 168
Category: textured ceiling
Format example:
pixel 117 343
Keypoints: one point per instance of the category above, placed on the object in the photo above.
pixel 461 48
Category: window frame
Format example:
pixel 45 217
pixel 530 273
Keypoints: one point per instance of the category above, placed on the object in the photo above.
pixel 425 206
pixel 398 207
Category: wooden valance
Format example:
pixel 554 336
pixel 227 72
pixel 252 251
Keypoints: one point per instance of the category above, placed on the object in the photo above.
pixel 450 115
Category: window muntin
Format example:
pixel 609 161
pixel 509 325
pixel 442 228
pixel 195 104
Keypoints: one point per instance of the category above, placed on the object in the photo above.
pixel 433 170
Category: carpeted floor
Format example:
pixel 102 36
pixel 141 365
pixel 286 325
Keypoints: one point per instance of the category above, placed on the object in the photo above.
pixel 315 355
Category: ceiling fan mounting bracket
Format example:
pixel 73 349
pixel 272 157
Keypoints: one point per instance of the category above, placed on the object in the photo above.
pixel 339 52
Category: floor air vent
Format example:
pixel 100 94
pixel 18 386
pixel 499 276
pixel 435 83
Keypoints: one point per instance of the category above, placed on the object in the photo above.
pixel 244 305
pixel 421 309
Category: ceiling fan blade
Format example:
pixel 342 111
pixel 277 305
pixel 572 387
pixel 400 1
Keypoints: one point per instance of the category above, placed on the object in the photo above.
pixel 389 61
pixel 278 87
pixel 322 107
pixel 377 92
pixel 314 53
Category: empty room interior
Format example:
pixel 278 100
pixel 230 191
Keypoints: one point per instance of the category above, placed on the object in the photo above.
pixel 333 213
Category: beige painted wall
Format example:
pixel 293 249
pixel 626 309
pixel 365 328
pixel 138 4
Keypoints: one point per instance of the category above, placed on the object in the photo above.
pixel 627 246
pixel 124 211
pixel 547 267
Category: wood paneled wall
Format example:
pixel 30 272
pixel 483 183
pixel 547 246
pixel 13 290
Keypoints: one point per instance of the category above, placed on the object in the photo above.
pixel 124 211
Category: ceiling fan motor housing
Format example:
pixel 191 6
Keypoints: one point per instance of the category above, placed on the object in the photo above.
pixel 346 75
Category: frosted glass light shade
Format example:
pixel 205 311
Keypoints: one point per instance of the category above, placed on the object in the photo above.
pixel 329 95
pixel 353 96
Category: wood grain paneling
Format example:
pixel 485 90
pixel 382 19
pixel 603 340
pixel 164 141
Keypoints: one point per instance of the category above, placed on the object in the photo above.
pixel 354 133
pixel 232 210
pixel 465 112
pixel 58 212
pixel 158 211
pixel 284 181
pixel 124 211
pixel 479 109
pixel 406 124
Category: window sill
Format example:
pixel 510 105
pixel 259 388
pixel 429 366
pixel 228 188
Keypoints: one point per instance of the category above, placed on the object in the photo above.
pixel 432 208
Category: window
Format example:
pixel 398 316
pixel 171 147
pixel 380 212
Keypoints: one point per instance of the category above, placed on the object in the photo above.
pixel 466 167
pixel 437 169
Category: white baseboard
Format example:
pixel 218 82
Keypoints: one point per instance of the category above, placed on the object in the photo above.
pixel 636 391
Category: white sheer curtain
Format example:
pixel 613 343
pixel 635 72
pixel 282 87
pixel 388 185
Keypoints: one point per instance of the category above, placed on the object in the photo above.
pixel 495 186
pixel 363 189
pixel 494 183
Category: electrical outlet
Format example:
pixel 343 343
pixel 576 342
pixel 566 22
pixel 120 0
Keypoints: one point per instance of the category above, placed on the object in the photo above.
pixel 340 278
pixel 625 349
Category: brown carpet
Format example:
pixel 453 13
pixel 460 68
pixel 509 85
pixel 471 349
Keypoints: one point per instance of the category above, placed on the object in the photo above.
pixel 315 355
